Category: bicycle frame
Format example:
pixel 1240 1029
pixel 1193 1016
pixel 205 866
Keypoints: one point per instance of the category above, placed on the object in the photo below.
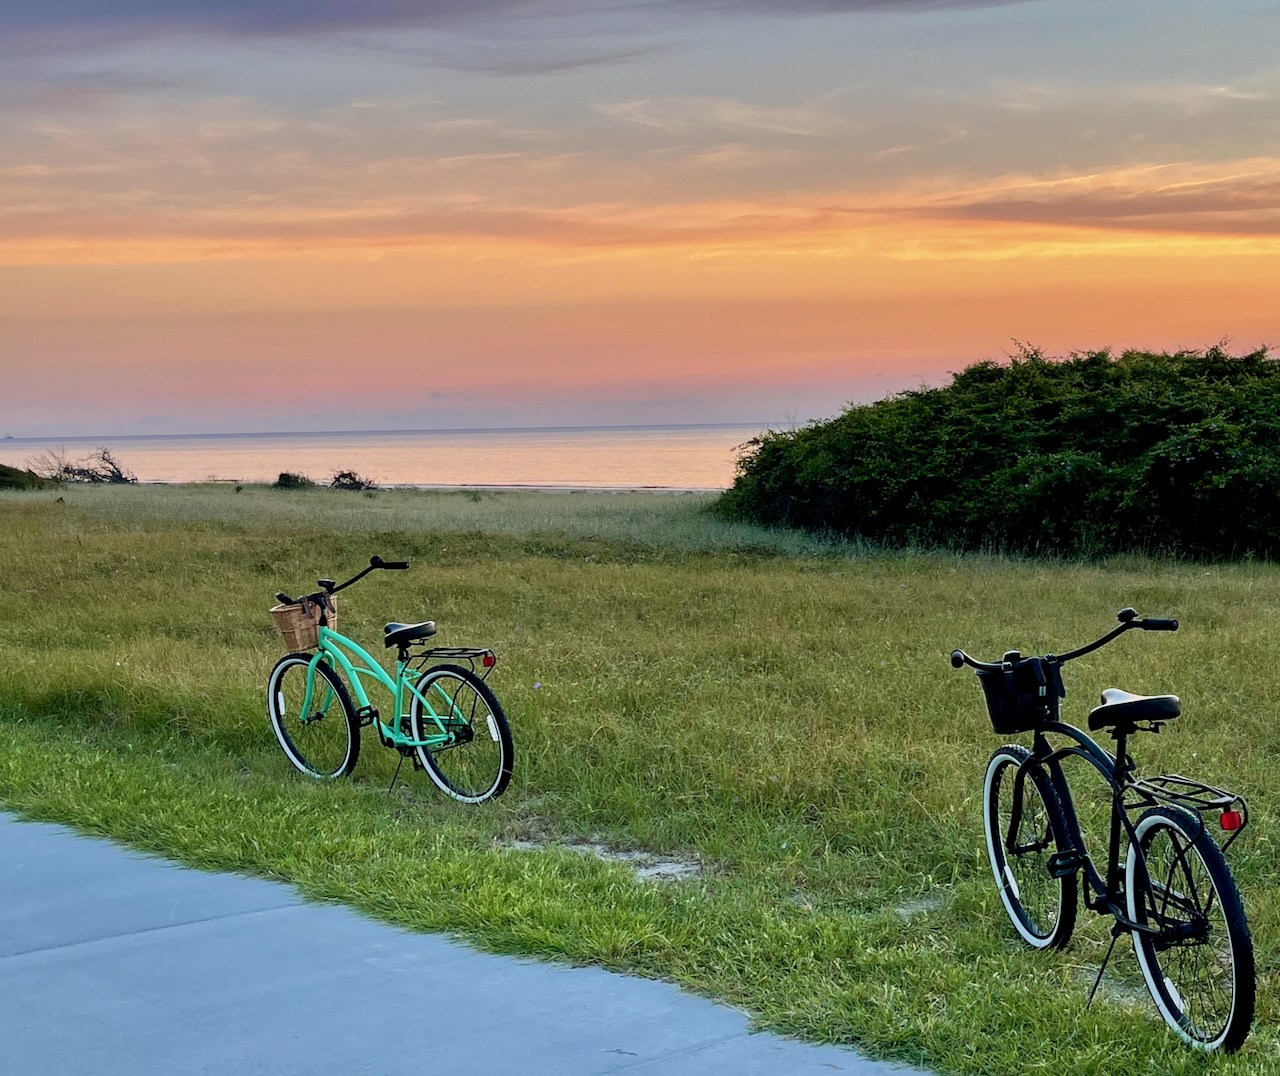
pixel 1128 794
pixel 332 645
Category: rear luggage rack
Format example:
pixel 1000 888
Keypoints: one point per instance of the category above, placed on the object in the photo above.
pixel 470 654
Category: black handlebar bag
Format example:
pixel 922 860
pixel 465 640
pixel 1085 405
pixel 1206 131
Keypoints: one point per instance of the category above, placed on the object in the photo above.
pixel 1022 696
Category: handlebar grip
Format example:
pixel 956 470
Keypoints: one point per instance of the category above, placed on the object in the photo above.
pixel 957 659
pixel 395 565
pixel 1159 625
pixel 284 599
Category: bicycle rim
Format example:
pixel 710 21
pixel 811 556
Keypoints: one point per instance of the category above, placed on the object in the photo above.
pixel 476 765
pixel 1199 966
pixel 1021 823
pixel 324 741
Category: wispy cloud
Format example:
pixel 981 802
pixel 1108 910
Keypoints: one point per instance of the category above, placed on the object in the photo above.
pixel 1134 212
pixel 1240 199
pixel 836 7
pixel 78 25
pixel 501 54
pixel 279 16
pixel 243 17
pixel 685 114
pixel 78 91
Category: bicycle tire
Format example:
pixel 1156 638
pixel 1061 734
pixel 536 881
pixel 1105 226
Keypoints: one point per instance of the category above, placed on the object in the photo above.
pixel 1174 887
pixel 313 745
pixel 477 767
pixel 1041 907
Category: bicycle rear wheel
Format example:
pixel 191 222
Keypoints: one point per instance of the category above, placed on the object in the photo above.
pixel 324 742
pixel 1199 964
pixel 1024 828
pixel 475 765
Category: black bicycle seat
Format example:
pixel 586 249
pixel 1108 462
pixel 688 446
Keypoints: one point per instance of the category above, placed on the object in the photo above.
pixel 1124 708
pixel 403 634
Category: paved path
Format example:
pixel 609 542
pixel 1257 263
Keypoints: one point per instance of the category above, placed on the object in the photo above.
pixel 113 963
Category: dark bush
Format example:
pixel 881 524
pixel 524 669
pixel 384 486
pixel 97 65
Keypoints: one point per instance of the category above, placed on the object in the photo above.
pixel 1088 455
pixel 351 480
pixel 289 480
pixel 13 478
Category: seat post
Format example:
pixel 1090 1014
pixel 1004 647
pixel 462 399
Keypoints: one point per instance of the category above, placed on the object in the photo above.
pixel 1121 771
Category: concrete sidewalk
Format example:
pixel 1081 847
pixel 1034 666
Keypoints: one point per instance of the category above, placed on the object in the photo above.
pixel 116 963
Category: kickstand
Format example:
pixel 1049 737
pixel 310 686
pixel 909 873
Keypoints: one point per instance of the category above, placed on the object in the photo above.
pixel 397 774
pixel 1116 931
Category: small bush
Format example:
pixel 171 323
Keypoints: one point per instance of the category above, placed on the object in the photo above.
pixel 13 478
pixel 289 480
pixel 351 480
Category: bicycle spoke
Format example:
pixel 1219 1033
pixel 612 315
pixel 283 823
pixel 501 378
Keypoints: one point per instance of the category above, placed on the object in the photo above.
pixel 317 734
pixel 1021 840
pixel 475 764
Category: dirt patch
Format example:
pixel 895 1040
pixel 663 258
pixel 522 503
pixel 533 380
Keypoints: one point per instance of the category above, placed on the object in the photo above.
pixel 918 906
pixel 646 866
pixel 1120 986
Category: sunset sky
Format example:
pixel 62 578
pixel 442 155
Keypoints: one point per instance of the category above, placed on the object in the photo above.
pixel 400 214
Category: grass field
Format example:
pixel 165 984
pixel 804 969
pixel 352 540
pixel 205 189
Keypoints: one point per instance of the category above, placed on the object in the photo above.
pixel 777 712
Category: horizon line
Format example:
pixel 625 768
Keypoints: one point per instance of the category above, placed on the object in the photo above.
pixel 10 438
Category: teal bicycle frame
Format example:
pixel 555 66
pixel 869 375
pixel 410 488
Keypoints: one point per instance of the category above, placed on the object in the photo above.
pixel 331 644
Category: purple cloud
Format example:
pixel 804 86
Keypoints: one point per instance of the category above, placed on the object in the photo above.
pixel 52 26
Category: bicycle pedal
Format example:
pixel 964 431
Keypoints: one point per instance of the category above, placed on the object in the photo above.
pixel 367 715
pixel 1065 864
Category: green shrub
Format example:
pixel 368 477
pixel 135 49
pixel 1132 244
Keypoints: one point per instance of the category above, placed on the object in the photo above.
pixel 1088 455
pixel 13 478
pixel 289 480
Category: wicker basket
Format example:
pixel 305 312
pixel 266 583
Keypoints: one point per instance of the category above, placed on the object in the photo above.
pixel 300 623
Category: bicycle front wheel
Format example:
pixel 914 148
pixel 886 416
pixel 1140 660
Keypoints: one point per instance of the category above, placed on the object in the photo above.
pixel 1198 957
pixel 324 740
pixel 1024 829
pixel 474 763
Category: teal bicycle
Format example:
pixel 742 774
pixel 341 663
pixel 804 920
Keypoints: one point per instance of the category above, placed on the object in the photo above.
pixel 444 716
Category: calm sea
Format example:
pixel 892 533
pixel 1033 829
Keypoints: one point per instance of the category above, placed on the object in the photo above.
pixel 613 457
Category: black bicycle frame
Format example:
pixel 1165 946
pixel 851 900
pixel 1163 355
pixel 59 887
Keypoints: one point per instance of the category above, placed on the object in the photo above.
pixel 1114 769
pixel 1117 771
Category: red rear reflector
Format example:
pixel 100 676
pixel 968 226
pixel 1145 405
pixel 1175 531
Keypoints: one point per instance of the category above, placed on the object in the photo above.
pixel 489 661
pixel 1232 820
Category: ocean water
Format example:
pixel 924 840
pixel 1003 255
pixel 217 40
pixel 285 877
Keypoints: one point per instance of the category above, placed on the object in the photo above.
pixel 607 457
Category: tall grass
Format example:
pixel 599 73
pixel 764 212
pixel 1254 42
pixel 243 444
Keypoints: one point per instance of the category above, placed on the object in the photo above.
pixel 779 710
pixel 666 521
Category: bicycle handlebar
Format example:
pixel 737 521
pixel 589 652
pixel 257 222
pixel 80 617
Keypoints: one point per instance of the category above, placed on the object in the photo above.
pixel 1128 618
pixel 327 586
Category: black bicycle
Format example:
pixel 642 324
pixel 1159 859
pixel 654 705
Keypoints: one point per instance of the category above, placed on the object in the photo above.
pixel 1172 892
